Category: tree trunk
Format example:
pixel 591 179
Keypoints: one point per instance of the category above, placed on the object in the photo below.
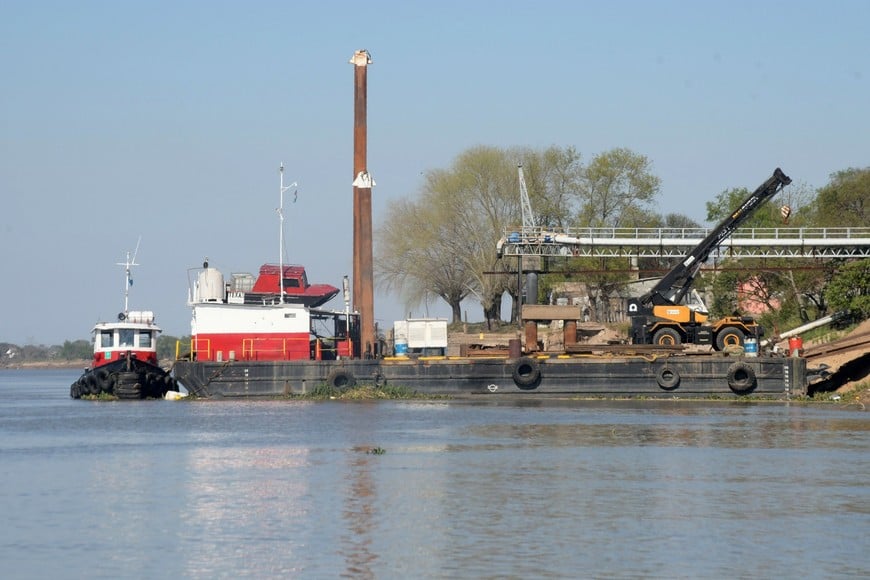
pixel 456 307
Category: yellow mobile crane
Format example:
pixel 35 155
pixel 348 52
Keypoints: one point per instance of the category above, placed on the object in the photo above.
pixel 673 313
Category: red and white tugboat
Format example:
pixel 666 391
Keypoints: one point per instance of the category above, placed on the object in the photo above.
pixel 125 355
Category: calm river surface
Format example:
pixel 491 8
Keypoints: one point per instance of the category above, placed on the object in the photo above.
pixel 469 489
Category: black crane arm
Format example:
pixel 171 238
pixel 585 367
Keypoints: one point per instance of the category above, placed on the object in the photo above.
pixel 672 288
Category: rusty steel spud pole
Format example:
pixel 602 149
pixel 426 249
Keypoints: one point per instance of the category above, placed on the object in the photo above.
pixel 363 269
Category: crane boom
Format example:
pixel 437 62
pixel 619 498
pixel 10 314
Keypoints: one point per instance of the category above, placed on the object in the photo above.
pixel 674 285
pixel 529 220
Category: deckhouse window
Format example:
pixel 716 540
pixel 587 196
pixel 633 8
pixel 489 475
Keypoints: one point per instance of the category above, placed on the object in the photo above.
pixel 291 282
pixel 106 339
pixel 145 339
pixel 126 336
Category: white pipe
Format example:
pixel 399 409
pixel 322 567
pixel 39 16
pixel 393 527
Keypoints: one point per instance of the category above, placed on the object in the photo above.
pixel 809 326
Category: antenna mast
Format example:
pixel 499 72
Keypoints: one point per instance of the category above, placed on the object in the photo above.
pixel 281 230
pixel 128 280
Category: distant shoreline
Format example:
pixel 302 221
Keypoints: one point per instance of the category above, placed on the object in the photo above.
pixel 42 365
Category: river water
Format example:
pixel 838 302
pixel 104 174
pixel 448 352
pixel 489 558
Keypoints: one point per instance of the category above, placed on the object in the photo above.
pixel 471 489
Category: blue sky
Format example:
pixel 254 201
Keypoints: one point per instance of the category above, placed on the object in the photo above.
pixel 167 120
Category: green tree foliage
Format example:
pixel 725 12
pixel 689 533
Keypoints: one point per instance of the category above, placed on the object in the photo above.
pixel 553 178
pixel 76 350
pixel 791 288
pixel 417 251
pixel 617 189
pixel 849 289
pixel 166 346
pixel 444 244
pixel 845 201
pixel 616 185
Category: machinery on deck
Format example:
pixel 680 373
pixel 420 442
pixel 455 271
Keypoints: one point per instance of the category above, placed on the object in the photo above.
pixel 672 312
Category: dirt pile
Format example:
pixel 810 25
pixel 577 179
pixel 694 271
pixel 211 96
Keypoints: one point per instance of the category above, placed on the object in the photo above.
pixel 846 360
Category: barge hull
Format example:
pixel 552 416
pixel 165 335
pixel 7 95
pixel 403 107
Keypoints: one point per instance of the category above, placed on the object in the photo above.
pixel 647 376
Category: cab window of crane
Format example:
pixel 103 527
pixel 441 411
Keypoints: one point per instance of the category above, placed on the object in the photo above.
pixel 145 338
pixel 106 339
pixel 126 336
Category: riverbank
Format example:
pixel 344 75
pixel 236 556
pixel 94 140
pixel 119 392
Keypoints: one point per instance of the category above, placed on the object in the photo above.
pixel 41 365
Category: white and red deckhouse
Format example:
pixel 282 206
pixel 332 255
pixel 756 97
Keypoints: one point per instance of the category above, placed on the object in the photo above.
pixel 134 334
pixel 228 323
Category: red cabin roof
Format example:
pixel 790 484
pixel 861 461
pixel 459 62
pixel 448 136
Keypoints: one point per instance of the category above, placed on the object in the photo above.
pixel 295 284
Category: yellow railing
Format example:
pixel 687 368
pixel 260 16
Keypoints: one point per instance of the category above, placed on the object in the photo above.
pixel 200 348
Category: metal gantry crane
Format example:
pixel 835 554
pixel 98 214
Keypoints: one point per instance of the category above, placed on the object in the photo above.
pixel 529 220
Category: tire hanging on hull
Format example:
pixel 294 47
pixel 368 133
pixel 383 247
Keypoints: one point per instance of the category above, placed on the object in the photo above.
pixel 668 378
pixel 341 379
pixel 741 378
pixel 526 373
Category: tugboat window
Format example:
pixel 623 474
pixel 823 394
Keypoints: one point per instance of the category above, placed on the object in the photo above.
pixel 144 339
pixel 106 339
pixel 126 337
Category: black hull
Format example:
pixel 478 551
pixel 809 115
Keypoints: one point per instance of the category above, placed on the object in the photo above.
pixel 133 379
pixel 642 376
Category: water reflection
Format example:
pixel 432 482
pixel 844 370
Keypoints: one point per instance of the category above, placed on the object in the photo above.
pixel 467 489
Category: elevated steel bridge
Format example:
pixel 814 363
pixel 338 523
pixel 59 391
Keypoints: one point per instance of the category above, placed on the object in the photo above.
pixel 677 242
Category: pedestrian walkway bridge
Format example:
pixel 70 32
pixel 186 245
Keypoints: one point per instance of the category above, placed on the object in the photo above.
pixel 677 242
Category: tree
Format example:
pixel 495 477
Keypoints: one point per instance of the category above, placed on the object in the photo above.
pixel 166 346
pixel 614 184
pixel 616 190
pixel 416 250
pixel 553 178
pixel 76 350
pixel 849 289
pixel 444 244
pixel 845 201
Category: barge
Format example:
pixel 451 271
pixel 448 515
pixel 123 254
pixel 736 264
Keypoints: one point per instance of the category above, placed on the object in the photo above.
pixel 640 374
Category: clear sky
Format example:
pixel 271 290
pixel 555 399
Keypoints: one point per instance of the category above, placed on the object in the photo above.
pixel 167 120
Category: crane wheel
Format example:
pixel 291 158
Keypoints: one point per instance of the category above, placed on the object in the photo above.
pixel 741 378
pixel 729 336
pixel 667 337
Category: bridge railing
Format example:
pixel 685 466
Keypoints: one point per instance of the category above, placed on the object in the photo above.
pixel 673 242
pixel 548 235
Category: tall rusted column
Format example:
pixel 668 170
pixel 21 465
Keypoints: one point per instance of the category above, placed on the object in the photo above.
pixel 363 269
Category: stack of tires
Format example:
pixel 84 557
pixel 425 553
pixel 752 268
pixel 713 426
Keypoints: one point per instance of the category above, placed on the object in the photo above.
pixel 128 385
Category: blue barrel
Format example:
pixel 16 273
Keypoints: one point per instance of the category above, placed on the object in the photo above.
pixel 750 346
pixel 401 347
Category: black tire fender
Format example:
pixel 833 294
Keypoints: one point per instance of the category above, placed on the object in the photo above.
pixel 341 379
pixel 668 378
pixel 741 378
pixel 92 384
pixel 526 372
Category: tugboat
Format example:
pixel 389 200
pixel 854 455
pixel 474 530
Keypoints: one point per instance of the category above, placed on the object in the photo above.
pixel 125 355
